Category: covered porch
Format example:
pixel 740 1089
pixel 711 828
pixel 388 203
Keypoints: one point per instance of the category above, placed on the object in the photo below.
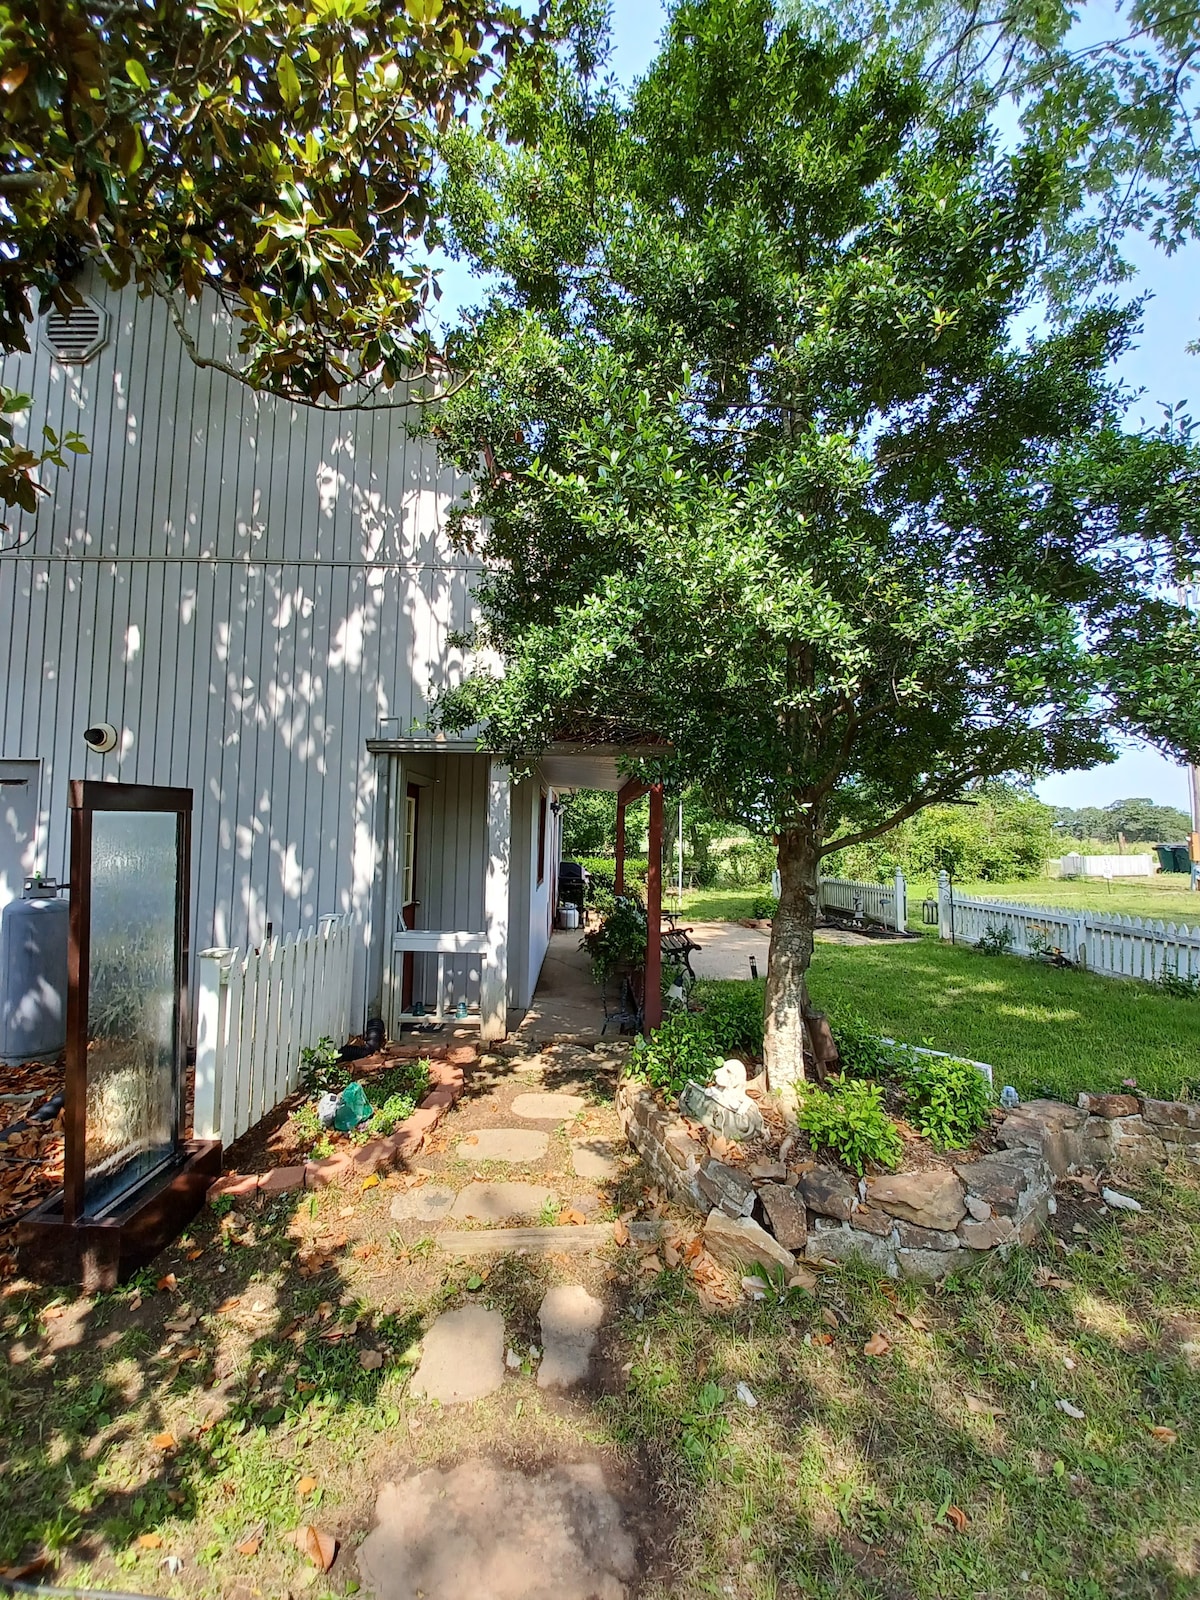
pixel 467 887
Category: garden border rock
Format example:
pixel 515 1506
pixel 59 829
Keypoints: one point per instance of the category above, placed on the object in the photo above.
pixel 446 1071
pixel 923 1223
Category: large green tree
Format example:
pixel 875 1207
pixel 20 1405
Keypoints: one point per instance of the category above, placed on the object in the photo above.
pixel 278 157
pixel 770 466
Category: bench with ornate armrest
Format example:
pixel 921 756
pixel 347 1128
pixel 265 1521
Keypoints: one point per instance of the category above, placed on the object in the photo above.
pixel 677 945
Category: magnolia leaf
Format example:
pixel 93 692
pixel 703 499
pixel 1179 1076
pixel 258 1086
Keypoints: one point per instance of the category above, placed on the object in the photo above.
pixel 288 80
pixel 318 1546
pixel 877 1345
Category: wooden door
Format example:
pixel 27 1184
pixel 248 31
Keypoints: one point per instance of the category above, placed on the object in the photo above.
pixel 410 833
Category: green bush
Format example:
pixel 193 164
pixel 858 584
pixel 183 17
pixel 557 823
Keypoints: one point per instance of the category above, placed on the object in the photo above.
pixel 949 1099
pixel 682 1048
pixel 746 863
pixel 848 1119
pixel 994 941
pixel 764 905
pixel 733 1013
pixel 322 1071
pixel 861 1051
pixel 619 940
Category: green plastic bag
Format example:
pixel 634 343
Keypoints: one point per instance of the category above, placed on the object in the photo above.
pixel 353 1107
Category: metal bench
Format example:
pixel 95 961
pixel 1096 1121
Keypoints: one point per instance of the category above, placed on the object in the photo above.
pixel 677 946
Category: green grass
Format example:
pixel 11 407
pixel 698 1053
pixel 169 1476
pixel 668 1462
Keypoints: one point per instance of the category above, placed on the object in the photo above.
pixel 1165 899
pixel 1045 1030
pixel 718 905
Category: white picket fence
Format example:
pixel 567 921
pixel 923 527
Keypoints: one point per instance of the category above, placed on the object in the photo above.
pixel 883 903
pixel 1118 947
pixel 256 1011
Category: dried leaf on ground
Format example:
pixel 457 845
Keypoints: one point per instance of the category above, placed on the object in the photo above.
pixel 983 1408
pixel 802 1278
pixel 318 1546
pixel 228 1305
pixel 305 1485
pixel 167 1284
pixel 620 1232
pixel 672 1255
pixel 250 1546
pixel 877 1345
pixel 829 1318
pixel 651 1263
pixel 1044 1278
pixel 370 1360
pixel 1164 1435
pixel 372 1181
pixel 957 1517
pixel 572 1218
pixel 149 1541
pixel 163 1441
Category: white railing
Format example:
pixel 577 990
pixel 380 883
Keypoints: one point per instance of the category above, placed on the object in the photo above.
pixel 443 943
pixel 884 903
pixel 1077 866
pixel 257 1010
pixel 1118 947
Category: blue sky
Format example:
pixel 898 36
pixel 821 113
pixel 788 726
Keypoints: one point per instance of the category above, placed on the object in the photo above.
pixel 1160 366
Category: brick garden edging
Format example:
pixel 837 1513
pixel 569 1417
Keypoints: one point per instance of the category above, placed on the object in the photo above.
pixel 920 1224
pixel 446 1063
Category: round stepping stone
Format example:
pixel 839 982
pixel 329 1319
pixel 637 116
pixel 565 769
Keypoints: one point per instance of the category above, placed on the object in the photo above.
pixel 462 1357
pixel 595 1158
pixel 548 1107
pixel 503 1144
pixel 480 1529
pixel 429 1203
pixel 570 1319
pixel 496 1202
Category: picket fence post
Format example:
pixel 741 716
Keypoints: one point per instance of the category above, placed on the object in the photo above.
pixel 901 908
pixel 212 1032
pixel 945 909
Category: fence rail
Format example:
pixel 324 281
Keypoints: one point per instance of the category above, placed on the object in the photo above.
pixel 257 1010
pixel 1116 947
pixel 884 903
pixel 1080 866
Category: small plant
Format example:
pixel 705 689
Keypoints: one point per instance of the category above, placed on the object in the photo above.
pixel 704 1430
pixel 764 905
pixel 861 1051
pixel 994 941
pixel 849 1120
pixel 322 1071
pixel 949 1099
pixel 732 1009
pixel 680 1049
pixel 1179 985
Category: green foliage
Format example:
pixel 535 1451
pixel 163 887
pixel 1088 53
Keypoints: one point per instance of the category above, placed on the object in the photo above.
pixel 1003 834
pixel 1141 821
pixel 848 1119
pixel 732 1009
pixel 619 941
pixel 861 1051
pixel 994 941
pixel 680 1049
pixel 949 1099
pixel 207 148
pixel 1179 985
pixel 395 1092
pixel 322 1070
pixel 764 905
pixel 589 824
pixel 746 863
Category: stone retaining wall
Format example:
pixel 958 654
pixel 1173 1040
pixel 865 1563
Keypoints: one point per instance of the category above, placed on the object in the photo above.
pixel 920 1224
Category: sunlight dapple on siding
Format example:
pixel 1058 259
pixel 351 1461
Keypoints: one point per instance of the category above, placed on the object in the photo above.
pixel 257 1012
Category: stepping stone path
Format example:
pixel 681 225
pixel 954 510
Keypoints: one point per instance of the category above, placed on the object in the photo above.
pixel 429 1203
pixel 495 1202
pixel 462 1357
pixel 503 1144
pixel 595 1158
pixel 478 1529
pixel 548 1107
pixel 570 1320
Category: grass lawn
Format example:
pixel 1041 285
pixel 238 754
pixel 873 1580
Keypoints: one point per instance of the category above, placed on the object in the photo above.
pixel 718 905
pixel 1164 899
pixel 1045 1030
pixel 942 1467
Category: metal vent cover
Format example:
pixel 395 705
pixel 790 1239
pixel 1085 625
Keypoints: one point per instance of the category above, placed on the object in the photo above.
pixel 76 334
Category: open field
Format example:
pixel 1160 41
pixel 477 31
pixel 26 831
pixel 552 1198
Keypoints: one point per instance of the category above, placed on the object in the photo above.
pixel 1165 899
pixel 1044 1029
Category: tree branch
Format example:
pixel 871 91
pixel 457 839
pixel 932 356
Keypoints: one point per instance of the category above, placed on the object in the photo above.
pixel 908 809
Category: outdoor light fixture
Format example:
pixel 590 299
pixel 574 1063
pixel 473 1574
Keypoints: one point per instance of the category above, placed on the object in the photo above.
pixel 101 738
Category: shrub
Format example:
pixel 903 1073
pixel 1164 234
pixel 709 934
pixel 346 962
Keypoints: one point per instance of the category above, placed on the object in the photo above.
pixel 849 1120
pixel 861 1051
pixel 949 1099
pixel 620 939
pixel 764 905
pixel 682 1048
pixel 1179 985
pixel 322 1070
pixel 746 863
pixel 732 1009
pixel 994 941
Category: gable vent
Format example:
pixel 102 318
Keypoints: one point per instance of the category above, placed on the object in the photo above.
pixel 77 334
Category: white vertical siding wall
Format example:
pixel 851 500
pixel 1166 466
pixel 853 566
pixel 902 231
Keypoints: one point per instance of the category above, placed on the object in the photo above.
pixel 247 590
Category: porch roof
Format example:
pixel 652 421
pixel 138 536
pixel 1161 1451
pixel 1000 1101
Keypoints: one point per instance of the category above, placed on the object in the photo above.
pixel 565 764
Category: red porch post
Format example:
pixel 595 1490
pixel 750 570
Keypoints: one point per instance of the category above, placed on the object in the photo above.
pixel 619 875
pixel 652 1006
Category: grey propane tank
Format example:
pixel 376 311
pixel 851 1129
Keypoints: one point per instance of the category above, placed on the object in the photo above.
pixel 33 977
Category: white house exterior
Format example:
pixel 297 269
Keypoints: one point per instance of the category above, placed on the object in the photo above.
pixel 258 597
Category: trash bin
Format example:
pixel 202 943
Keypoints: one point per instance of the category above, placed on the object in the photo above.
pixel 1183 858
pixel 1166 857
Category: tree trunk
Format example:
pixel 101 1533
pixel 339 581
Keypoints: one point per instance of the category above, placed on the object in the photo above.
pixel 791 951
